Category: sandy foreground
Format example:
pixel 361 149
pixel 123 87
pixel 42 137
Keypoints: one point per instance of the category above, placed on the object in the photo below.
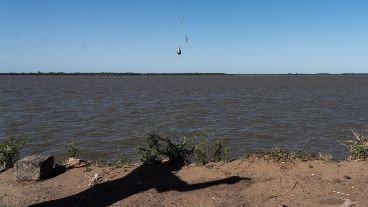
pixel 243 182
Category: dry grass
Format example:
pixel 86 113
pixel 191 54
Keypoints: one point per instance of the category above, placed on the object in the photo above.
pixel 357 146
pixel 278 154
pixel 325 157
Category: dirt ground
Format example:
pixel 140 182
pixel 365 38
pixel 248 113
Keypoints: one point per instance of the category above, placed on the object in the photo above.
pixel 243 182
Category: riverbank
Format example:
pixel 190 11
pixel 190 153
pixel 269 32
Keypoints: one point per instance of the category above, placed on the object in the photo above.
pixel 248 181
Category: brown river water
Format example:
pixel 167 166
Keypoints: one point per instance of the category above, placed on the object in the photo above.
pixel 111 114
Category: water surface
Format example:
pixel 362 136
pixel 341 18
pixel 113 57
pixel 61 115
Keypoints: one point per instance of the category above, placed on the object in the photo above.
pixel 112 113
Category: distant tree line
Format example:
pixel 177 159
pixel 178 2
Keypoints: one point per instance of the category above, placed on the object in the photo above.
pixel 107 74
pixel 163 74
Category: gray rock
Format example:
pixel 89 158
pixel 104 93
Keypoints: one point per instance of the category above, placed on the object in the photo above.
pixel 34 167
pixel 2 167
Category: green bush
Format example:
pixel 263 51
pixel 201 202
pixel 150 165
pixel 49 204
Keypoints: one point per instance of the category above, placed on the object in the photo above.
pixel 205 152
pixel 157 148
pixel 71 148
pixel 87 167
pixel 220 153
pixel 201 152
pixel 10 148
pixel 357 146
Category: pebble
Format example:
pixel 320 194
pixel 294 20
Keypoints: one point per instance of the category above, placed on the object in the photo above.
pixel 337 180
pixel 340 193
pixel 347 177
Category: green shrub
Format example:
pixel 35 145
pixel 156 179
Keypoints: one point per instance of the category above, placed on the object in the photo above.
pixel 150 152
pixel 71 148
pixel 157 148
pixel 357 146
pixel 201 152
pixel 205 152
pixel 10 148
pixel 87 167
pixel 220 153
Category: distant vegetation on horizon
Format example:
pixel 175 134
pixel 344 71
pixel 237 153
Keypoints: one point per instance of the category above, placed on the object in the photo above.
pixel 108 73
pixel 164 74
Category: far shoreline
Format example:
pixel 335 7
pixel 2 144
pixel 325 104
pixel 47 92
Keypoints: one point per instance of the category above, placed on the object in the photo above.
pixel 172 74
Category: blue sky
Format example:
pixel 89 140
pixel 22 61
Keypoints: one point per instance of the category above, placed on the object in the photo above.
pixel 231 36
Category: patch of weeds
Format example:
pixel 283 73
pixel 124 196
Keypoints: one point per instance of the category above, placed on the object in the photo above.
pixel 10 148
pixel 278 154
pixel 325 157
pixel 201 152
pixel 205 152
pixel 157 148
pixel 119 161
pixel 220 153
pixel 302 155
pixel 71 148
pixel 101 163
pixel 87 167
pixel 357 146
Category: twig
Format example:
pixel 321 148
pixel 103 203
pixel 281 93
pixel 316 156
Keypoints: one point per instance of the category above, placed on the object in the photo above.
pixel 275 196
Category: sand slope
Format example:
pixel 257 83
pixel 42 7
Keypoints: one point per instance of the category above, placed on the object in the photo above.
pixel 260 183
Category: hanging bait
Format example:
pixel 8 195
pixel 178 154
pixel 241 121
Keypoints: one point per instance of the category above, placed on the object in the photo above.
pixel 178 51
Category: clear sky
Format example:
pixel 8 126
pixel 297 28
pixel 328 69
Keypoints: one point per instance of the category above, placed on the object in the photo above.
pixel 231 36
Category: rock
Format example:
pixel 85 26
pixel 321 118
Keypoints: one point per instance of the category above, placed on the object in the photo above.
pixel 348 203
pixel 34 167
pixel 347 177
pixel 2 167
pixel 74 163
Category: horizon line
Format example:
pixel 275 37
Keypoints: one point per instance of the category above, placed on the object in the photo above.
pixel 166 74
